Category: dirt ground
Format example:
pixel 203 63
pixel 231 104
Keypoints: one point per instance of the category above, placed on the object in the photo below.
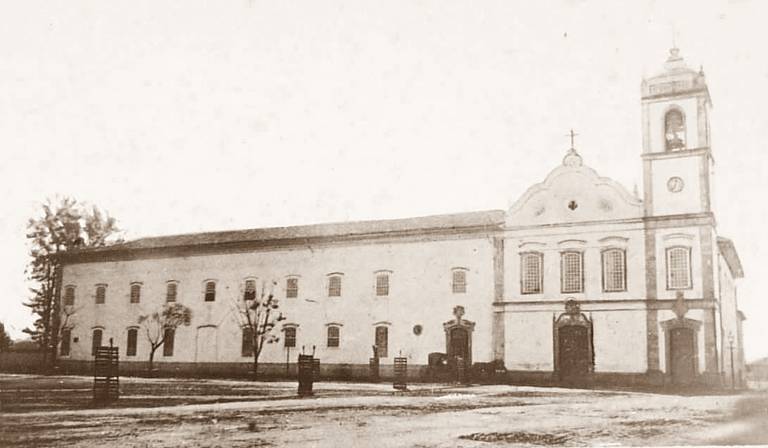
pixel 37 411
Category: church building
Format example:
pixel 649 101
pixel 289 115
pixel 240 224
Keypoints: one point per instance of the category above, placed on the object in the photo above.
pixel 580 279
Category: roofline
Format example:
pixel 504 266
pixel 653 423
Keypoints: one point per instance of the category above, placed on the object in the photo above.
pixel 731 256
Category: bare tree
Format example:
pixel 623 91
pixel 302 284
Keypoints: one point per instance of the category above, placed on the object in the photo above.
pixel 258 315
pixel 157 324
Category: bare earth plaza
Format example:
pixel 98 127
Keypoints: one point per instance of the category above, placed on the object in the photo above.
pixel 356 224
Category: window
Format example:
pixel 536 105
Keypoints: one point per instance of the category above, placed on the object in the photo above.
pixel 66 341
pixel 382 284
pixel 333 336
pixel 168 339
pixel 334 286
pixel 101 294
pixel 678 268
pixel 95 341
pixel 247 345
pixel 135 293
pixel 571 272
pixel 171 291
pixel 614 270
pixel 133 334
pixel 210 291
pixel 290 337
pixel 532 273
pixel 674 130
pixel 69 296
pixel 292 287
pixel 459 283
pixel 382 341
pixel 250 290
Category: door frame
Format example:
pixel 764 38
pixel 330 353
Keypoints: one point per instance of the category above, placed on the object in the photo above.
pixel 677 323
pixel 572 317
pixel 464 324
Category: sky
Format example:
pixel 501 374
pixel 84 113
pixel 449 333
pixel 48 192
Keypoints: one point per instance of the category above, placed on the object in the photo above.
pixel 192 115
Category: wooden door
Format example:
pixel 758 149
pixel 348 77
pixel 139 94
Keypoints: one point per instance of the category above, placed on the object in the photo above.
pixel 574 355
pixel 682 357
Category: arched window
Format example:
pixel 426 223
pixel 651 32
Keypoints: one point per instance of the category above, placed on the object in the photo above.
pixel 334 285
pixel 171 291
pixel 66 341
pixel 133 336
pixel 210 291
pixel 69 295
pixel 96 340
pixel 674 130
pixel 169 338
pixel 678 267
pixel 101 294
pixel 381 341
pixel 135 292
pixel 531 273
pixel 290 337
pixel 246 348
pixel 614 270
pixel 250 290
pixel 333 336
pixel 382 283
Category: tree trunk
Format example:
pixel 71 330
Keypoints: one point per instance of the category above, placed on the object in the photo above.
pixel 255 365
pixel 56 324
pixel 151 358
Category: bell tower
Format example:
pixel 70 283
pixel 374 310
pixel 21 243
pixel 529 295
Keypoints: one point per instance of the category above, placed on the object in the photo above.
pixel 677 160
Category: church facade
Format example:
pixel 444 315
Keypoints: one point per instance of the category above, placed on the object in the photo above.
pixel 578 279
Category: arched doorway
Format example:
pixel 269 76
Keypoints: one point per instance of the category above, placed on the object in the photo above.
pixel 206 344
pixel 682 359
pixel 573 347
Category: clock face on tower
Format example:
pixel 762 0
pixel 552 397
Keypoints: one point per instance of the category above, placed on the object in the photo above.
pixel 675 184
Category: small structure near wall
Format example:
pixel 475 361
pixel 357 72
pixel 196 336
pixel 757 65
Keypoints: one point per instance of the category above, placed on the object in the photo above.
pixel 306 375
pixel 401 373
pixel 106 379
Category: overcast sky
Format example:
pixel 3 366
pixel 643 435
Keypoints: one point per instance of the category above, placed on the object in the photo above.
pixel 189 116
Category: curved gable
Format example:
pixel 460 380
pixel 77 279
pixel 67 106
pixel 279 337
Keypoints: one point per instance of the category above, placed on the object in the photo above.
pixel 573 193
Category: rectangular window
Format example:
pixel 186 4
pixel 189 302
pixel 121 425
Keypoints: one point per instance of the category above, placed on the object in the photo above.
pixel 459 284
pixel 101 294
pixel 247 345
pixel 572 272
pixel 333 336
pixel 614 270
pixel 95 341
pixel 171 291
pixel 168 340
pixel 292 288
pixel 382 341
pixel 678 268
pixel 250 290
pixel 290 336
pixel 532 273
pixel 130 349
pixel 334 286
pixel 66 341
pixel 382 284
pixel 210 291
pixel 135 293
pixel 69 296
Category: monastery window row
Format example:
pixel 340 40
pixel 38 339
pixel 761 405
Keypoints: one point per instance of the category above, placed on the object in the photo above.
pixel 209 291
pixel 132 336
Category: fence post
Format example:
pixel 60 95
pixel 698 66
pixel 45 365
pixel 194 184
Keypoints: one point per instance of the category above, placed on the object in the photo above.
pixel 106 375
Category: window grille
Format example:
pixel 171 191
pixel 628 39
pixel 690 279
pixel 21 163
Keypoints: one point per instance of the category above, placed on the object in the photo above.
pixel 614 270
pixel 334 286
pixel 459 284
pixel 250 290
pixel 135 293
pixel 171 291
pixel 532 273
pixel 292 288
pixel 382 341
pixel 290 336
pixel 678 268
pixel 382 284
pixel 69 296
pixel 133 334
pixel 210 291
pixel 333 336
pixel 169 337
pixel 101 294
pixel 572 274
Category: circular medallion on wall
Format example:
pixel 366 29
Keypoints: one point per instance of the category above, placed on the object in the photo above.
pixel 417 329
pixel 675 184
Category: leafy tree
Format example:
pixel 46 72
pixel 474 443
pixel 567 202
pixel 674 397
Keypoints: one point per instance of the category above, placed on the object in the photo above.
pixel 63 225
pixel 156 324
pixel 5 339
pixel 258 315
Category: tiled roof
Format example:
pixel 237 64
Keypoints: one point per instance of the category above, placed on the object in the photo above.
pixel 492 219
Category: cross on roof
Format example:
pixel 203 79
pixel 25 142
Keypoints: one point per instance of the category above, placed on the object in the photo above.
pixel 572 135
